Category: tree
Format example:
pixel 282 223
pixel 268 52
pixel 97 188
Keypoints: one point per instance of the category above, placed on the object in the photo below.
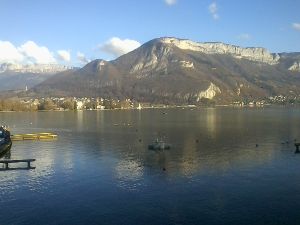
pixel 68 104
pixel 207 102
pixel 47 104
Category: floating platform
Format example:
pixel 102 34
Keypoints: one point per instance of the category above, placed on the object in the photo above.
pixel 34 136
pixel 159 145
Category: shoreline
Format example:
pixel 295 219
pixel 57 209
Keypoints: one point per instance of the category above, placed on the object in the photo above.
pixel 166 107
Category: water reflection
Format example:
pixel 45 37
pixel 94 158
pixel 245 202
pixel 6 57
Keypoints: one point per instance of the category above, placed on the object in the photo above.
pixel 128 173
pixel 220 138
pixel 211 121
pixel 79 123
pixel 106 153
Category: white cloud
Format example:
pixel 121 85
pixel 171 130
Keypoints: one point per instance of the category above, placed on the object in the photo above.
pixel 296 26
pixel 244 37
pixel 36 54
pixel 82 59
pixel 9 53
pixel 27 53
pixel 64 55
pixel 213 9
pixel 117 47
pixel 170 2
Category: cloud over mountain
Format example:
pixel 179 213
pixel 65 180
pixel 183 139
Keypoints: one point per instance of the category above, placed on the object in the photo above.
pixel 117 47
pixel 82 58
pixel 9 53
pixel 36 54
pixel 64 55
pixel 27 53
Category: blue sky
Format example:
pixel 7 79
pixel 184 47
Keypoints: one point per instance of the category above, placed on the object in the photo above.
pixel 74 32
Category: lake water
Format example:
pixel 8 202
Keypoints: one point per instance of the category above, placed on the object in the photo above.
pixel 100 171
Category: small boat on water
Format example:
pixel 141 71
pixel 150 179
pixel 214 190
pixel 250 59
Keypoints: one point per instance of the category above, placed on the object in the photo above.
pixel 5 141
pixel 159 145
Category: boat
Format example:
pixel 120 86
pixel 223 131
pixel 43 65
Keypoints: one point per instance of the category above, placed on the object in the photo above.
pixel 4 148
pixel 5 141
pixel 159 145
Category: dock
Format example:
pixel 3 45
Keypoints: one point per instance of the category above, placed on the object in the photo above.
pixel 7 162
pixel 34 136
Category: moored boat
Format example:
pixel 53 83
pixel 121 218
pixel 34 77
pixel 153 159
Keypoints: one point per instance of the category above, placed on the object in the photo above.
pixel 5 141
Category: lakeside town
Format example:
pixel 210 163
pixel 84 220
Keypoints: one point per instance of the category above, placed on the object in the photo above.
pixel 86 103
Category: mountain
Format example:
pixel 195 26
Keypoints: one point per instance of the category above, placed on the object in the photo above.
pixel 171 70
pixel 290 61
pixel 18 77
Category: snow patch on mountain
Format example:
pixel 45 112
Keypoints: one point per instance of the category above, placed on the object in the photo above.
pixel 33 68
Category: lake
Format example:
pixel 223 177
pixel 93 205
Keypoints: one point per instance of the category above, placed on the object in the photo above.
pixel 225 166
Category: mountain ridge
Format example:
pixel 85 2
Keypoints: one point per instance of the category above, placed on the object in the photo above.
pixel 19 77
pixel 160 71
pixel 33 68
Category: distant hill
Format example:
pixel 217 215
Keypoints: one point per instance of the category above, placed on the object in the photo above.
pixel 18 77
pixel 170 70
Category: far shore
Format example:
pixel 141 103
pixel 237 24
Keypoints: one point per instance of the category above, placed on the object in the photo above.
pixel 162 107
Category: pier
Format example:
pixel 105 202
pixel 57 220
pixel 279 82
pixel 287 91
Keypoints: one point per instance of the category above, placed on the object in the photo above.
pixel 6 162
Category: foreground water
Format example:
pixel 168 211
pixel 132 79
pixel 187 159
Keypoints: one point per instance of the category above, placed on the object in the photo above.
pixel 226 166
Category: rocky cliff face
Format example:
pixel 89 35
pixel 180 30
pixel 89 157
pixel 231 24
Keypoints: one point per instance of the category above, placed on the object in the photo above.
pixel 290 61
pixel 209 93
pixel 295 67
pixel 156 59
pixel 253 54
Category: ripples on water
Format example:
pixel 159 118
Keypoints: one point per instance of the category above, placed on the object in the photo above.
pixel 99 170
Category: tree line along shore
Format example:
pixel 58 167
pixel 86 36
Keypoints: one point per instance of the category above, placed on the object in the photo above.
pixel 74 103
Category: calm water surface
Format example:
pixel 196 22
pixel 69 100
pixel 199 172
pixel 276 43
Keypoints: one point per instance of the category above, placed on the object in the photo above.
pixel 99 170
